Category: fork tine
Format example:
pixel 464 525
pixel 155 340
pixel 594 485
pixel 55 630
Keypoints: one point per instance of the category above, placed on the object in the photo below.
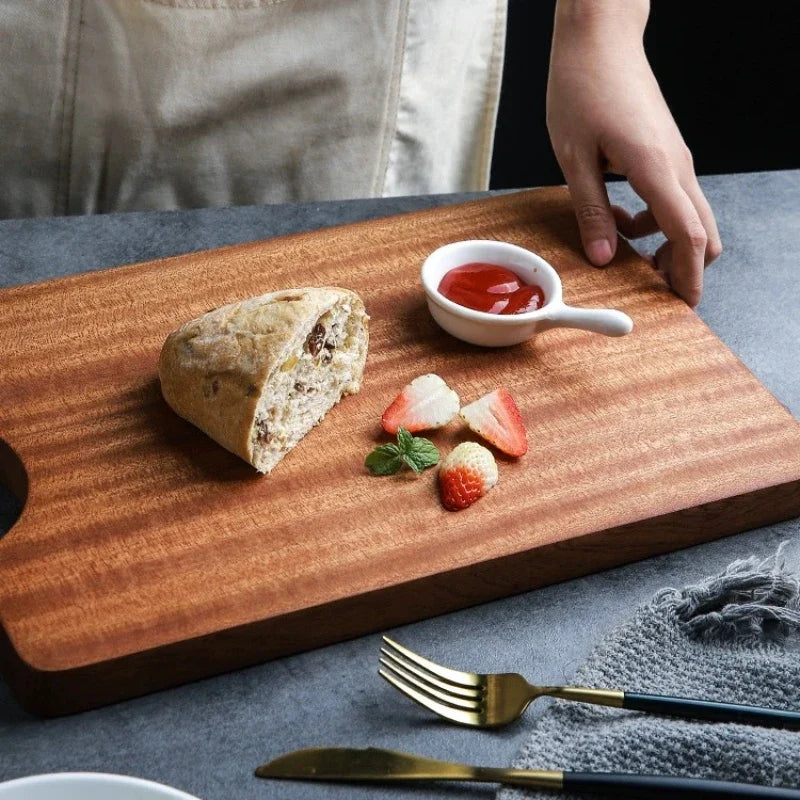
pixel 472 693
pixel 452 700
pixel 466 679
pixel 470 718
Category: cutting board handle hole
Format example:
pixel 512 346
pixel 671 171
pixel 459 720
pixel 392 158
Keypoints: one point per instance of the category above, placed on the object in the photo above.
pixel 13 487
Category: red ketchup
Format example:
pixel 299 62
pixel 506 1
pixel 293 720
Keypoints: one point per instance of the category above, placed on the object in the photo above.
pixel 490 288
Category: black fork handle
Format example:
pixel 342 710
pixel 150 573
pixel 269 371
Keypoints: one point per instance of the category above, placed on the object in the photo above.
pixel 656 786
pixel 714 712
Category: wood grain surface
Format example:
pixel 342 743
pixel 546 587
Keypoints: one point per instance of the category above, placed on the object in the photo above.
pixel 146 555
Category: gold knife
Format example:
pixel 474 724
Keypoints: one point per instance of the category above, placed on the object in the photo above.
pixel 375 765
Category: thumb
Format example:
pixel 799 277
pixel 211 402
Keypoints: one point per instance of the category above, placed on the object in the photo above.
pixel 590 200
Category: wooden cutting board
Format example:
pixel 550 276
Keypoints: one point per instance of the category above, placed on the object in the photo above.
pixel 146 555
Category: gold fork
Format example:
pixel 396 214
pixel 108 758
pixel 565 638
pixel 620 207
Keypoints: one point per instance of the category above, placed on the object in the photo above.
pixel 491 700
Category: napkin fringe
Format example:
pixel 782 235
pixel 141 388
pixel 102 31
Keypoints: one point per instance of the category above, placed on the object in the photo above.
pixel 751 601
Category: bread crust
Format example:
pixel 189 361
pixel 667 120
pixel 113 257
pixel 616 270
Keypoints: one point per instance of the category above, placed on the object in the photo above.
pixel 213 369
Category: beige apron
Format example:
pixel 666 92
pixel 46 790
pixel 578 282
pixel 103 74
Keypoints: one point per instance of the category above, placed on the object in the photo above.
pixel 109 105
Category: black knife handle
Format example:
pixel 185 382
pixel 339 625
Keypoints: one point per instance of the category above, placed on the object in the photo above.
pixel 715 712
pixel 657 786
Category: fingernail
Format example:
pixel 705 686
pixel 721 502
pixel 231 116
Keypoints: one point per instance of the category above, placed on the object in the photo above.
pixel 599 252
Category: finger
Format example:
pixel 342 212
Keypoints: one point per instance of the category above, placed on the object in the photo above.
pixel 678 218
pixel 635 226
pixel 714 245
pixel 662 261
pixel 632 227
pixel 623 219
pixel 592 209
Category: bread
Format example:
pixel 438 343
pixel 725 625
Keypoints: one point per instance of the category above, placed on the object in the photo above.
pixel 257 375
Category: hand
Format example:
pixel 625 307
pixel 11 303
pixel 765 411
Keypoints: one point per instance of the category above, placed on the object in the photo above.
pixel 606 113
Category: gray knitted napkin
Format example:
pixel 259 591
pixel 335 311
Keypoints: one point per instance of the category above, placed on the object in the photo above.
pixel 732 638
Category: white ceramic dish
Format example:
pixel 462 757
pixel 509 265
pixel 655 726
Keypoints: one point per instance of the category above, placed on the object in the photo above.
pixel 87 786
pixel 498 330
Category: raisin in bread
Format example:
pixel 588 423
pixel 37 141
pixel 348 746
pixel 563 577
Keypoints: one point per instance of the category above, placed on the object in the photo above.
pixel 257 375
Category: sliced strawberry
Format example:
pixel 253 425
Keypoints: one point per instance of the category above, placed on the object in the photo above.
pixel 427 402
pixel 468 472
pixel 496 418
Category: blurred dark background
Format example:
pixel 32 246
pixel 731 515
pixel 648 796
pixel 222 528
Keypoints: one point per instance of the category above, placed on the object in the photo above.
pixel 729 72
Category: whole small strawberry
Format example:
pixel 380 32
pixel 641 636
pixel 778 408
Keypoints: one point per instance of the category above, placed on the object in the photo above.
pixel 468 472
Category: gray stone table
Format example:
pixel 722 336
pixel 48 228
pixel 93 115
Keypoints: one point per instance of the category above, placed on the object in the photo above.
pixel 207 737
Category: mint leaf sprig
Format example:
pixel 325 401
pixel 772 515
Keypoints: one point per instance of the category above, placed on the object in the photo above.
pixel 415 452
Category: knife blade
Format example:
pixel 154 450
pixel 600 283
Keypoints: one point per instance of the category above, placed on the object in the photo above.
pixel 374 764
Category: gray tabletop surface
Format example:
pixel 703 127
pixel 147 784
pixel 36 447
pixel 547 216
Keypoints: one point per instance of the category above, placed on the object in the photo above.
pixel 207 737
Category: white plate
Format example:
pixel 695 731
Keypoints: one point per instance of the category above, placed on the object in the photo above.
pixel 87 786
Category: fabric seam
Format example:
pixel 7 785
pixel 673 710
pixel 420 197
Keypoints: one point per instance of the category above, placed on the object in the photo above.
pixel 494 80
pixel 390 128
pixel 65 137
pixel 213 5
